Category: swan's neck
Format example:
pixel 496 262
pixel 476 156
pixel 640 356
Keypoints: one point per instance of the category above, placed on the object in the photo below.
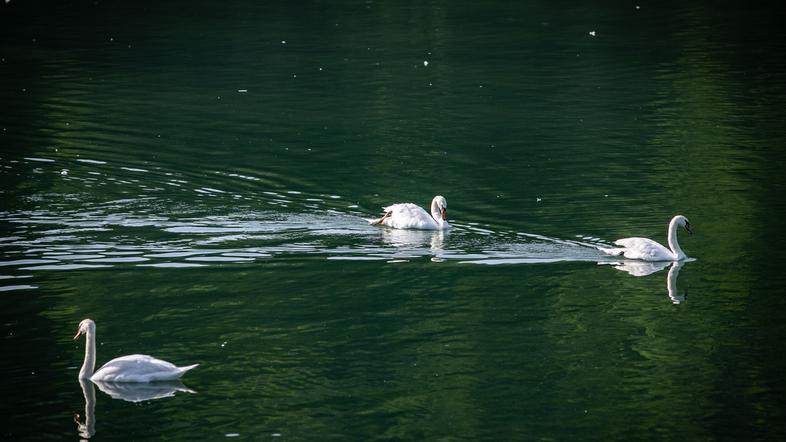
pixel 437 214
pixel 673 244
pixel 90 356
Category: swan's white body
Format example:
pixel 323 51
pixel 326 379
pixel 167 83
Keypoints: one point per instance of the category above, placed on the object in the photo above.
pixel 131 368
pixel 648 250
pixel 412 216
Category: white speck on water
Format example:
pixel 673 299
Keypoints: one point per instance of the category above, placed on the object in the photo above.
pixel 638 7
pixel 538 199
pixel 276 434
pixel 232 434
pixel 64 172
pixel 223 344
pixel 111 39
pixel 283 42
pixel 606 195
pixel 425 62
pixel 592 33
pixel 320 69
pixel 242 91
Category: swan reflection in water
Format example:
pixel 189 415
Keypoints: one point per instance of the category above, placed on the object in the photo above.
pixel 142 391
pixel 644 268
pixel 87 429
pixel 411 242
pixel 127 391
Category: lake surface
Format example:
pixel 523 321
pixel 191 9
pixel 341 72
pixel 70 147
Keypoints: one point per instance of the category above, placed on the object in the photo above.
pixel 196 178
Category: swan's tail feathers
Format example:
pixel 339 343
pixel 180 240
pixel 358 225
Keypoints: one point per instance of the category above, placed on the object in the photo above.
pixel 613 251
pixel 183 370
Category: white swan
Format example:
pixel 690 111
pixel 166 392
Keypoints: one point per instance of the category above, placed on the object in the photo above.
pixel 411 216
pixel 131 368
pixel 648 250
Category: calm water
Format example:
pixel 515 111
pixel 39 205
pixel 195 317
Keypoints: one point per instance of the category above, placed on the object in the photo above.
pixel 196 179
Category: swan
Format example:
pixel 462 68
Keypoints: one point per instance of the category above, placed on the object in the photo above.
pixel 648 250
pixel 131 368
pixel 411 216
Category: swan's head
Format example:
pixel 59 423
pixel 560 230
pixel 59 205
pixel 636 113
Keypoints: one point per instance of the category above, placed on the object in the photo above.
pixel 87 325
pixel 683 222
pixel 439 207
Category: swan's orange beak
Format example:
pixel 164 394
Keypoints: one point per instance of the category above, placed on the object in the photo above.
pixel 78 333
pixel 444 214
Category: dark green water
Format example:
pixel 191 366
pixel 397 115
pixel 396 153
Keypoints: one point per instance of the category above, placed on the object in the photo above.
pixel 196 178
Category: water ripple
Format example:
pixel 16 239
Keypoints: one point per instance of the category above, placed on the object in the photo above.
pixel 154 230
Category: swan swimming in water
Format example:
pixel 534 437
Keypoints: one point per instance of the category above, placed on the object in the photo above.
pixel 412 216
pixel 131 368
pixel 648 250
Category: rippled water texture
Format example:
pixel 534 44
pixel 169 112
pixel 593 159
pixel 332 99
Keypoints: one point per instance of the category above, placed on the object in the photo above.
pixel 198 179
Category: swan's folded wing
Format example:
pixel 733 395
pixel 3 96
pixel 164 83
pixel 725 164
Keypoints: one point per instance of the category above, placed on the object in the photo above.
pixel 136 368
pixel 643 248
pixel 409 216
pixel 401 208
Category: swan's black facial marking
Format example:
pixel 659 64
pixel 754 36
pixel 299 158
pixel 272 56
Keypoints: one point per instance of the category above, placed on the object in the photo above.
pixel 687 227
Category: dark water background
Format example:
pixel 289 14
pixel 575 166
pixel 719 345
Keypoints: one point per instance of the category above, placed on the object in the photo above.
pixel 195 177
